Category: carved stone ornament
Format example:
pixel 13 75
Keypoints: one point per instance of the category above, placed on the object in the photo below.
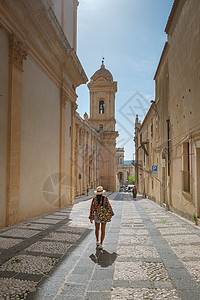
pixel 17 50
pixel 86 117
pixel 63 97
pixel 74 107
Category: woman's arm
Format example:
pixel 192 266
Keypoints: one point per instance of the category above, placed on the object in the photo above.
pixel 92 209
pixel 109 206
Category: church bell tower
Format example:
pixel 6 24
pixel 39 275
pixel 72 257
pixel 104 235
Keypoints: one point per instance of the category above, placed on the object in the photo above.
pixel 102 118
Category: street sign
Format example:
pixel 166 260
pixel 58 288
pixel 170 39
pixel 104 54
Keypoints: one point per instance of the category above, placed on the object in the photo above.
pixel 155 168
pixel 154 171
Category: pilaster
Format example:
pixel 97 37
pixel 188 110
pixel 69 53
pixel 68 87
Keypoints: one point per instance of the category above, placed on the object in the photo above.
pixel 73 138
pixel 84 162
pixel 17 54
pixel 63 195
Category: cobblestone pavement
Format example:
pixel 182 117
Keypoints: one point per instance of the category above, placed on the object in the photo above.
pixel 148 253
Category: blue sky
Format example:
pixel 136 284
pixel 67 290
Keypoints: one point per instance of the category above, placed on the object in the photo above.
pixel 130 35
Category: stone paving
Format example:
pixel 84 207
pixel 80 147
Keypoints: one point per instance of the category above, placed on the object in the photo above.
pixel 148 253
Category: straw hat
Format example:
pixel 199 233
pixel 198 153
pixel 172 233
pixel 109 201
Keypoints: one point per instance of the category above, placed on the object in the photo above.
pixel 99 190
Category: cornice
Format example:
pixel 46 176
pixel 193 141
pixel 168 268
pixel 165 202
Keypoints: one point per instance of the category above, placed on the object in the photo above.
pixel 109 134
pixel 163 56
pixel 102 83
pixel 175 12
pixel 103 118
pixel 35 23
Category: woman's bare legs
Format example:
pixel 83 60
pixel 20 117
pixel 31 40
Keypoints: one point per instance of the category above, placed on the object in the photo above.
pixel 97 225
pixel 103 229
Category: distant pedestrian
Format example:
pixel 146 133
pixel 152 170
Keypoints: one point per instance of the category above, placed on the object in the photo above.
pixel 134 192
pixel 101 212
pixel 87 190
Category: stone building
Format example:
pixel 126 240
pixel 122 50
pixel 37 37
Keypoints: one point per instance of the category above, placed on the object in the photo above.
pixel 174 146
pixel 124 169
pixel 39 74
pixel 87 146
pixel 102 119
pixel 95 136
pixel 48 153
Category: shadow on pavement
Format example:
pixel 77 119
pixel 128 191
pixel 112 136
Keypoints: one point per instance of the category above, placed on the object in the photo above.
pixel 139 197
pixel 103 258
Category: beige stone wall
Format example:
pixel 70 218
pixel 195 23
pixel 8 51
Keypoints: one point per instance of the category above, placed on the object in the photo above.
pixel 40 140
pixel 108 162
pixel 37 119
pixel 4 74
pixel 147 156
pixel 184 101
pixel 177 100
pixel 86 162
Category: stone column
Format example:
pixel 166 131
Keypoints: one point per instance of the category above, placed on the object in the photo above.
pixel 76 162
pixel 62 173
pixel 92 162
pixel 17 53
pixel 73 137
pixel 84 163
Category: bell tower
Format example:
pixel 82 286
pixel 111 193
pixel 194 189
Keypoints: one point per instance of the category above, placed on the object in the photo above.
pixel 102 118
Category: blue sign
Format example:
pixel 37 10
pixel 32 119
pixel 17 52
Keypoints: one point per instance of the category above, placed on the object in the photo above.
pixel 155 168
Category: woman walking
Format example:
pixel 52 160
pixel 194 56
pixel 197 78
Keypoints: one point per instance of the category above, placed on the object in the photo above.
pixel 101 212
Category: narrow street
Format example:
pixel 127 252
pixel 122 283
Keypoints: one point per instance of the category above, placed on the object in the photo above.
pixel 148 253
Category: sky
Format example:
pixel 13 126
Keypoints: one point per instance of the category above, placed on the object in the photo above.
pixel 130 35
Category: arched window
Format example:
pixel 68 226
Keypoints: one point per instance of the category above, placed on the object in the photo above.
pixel 120 176
pixel 101 107
pixel 120 160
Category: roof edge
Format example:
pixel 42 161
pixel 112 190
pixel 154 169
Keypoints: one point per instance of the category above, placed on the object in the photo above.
pixel 163 55
pixel 172 13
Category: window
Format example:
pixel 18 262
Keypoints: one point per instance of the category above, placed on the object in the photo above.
pixel 140 138
pixel 101 127
pixel 152 129
pixel 120 160
pixel 80 137
pixel 186 167
pixel 101 107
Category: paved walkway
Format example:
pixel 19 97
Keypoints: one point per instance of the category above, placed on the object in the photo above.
pixel 149 253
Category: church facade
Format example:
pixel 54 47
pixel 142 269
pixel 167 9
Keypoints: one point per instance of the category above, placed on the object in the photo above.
pixel 95 161
pixel 102 119
pixel 48 153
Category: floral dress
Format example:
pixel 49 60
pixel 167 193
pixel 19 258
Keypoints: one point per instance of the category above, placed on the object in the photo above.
pixel 94 206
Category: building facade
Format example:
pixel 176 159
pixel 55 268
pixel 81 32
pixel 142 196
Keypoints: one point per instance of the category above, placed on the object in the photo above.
pixel 102 119
pixel 123 169
pixel 174 117
pixel 86 163
pixel 39 74
pixel 48 153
